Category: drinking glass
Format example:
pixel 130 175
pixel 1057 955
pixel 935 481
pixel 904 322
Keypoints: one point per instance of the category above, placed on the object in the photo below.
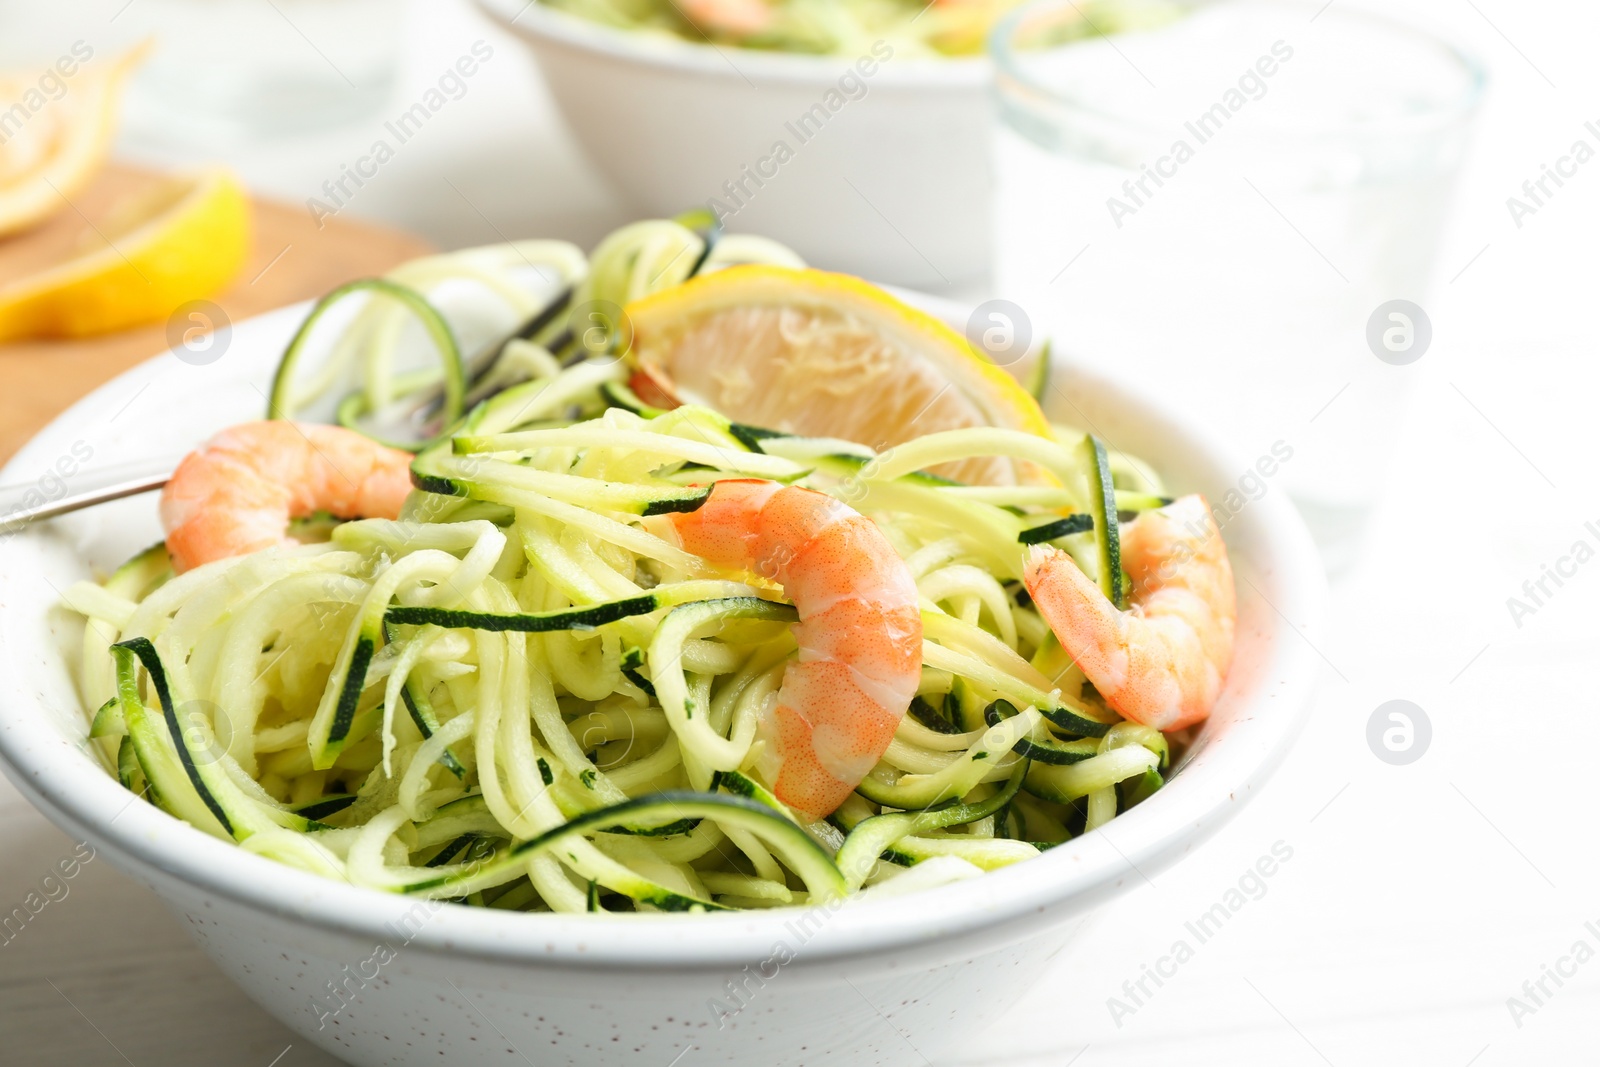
pixel 251 67
pixel 1236 204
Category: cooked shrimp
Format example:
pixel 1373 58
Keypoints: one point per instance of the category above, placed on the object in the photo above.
pixel 1162 662
pixel 237 492
pixel 732 18
pixel 860 631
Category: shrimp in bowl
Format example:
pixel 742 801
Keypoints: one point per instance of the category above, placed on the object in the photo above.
pixel 860 632
pixel 237 492
pixel 1162 662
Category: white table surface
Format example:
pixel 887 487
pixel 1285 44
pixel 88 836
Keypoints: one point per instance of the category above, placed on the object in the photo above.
pixel 1418 898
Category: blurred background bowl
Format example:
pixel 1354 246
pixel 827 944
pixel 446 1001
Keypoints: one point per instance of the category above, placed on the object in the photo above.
pixel 884 169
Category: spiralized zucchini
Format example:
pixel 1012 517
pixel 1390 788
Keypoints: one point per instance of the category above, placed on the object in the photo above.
pixel 852 27
pixel 484 701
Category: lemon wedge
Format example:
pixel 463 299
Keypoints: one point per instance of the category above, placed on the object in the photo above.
pixel 181 240
pixel 51 147
pixel 825 355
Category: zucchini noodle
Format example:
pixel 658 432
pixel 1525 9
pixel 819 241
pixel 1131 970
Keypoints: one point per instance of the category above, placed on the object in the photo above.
pixel 850 27
pixel 524 694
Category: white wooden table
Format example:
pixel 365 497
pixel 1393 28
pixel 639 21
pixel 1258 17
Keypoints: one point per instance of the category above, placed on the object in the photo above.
pixel 1418 899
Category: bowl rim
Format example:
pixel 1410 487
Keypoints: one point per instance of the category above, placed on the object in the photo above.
pixel 536 22
pixel 75 792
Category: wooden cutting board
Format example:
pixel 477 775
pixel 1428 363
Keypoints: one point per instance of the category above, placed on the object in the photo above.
pixel 290 260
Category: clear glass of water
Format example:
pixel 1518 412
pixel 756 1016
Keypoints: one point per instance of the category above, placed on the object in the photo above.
pixel 249 67
pixel 1236 205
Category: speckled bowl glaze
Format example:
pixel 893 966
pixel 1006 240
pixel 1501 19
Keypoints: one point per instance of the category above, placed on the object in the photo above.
pixel 377 979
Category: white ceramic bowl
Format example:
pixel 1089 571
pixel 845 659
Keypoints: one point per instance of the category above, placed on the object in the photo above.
pixel 882 983
pixel 893 184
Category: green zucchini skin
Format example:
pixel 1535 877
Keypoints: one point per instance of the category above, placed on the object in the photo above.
pixel 744 786
pixel 439 486
pixel 130 772
pixel 677 505
pixel 151 661
pixel 931 717
pixel 1070 722
pixel 752 436
pixel 237 814
pixel 107 720
pixel 1059 753
pixel 803 854
pixel 452 850
pixel 442 476
pixel 1103 511
pixel 355 680
pixel 530 623
pixel 671 829
pixel 142 574
pixel 439 331
pixel 1067 784
pixel 1137 790
pixel 632 660
pixel 1072 524
pixel 374 629
pixel 884 836
pixel 420 708
pixel 889 796
pixel 1037 382
pixel 321 809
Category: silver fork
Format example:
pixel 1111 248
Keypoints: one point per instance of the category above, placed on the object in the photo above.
pixel 11 521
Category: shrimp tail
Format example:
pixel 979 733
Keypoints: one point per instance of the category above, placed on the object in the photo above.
pixel 859 634
pixel 1164 661
pixel 238 492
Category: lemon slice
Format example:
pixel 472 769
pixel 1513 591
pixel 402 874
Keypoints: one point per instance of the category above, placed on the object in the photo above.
pixel 52 147
pixel 825 355
pixel 183 239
